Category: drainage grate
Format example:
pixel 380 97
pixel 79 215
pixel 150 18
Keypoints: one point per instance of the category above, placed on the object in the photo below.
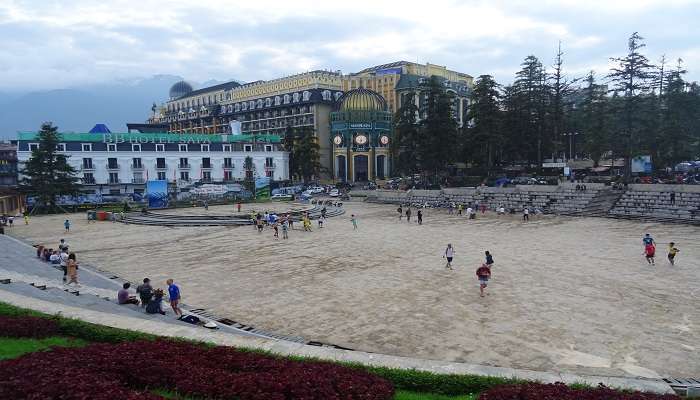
pixel 684 386
pixel 41 287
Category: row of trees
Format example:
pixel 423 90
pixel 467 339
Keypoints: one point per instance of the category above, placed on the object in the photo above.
pixel 638 108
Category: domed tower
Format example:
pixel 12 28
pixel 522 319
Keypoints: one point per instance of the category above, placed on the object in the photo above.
pixel 361 134
pixel 180 89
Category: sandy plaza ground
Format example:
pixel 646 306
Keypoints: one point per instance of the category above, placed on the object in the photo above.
pixel 567 294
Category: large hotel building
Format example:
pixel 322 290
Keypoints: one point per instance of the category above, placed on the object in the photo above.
pixel 307 100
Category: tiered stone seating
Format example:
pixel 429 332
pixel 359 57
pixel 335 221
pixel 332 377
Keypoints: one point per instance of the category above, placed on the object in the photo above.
pixel 657 205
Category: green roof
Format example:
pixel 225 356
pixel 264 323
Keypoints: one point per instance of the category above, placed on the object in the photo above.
pixel 163 137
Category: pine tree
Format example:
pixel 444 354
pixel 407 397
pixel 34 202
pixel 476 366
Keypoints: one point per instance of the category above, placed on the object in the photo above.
pixel 632 77
pixel 405 143
pixel 678 120
pixel 47 174
pixel 531 94
pixel 594 120
pixel 438 139
pixel 485 136
pixel 307 154
pixel 560 89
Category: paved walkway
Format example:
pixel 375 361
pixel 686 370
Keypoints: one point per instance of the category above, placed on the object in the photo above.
pixel 20 256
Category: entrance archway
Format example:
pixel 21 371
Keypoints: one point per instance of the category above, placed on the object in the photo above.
pixel 341 168
pixel 361 168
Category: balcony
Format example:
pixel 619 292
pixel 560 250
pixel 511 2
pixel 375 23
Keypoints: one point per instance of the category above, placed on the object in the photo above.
pixel 115 181
pixel 112 167
pixel 270 167
pixel 205 166
pixel 227 166
pixel 138 181
pixel 137 167
pixel 183 166
pixel 161 167
pixel 87 168
pixel 88 181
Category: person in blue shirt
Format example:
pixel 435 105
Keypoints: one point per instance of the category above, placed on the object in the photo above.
pixel 174 294
pixel 648 240
pixel 67 225
pixel 489 259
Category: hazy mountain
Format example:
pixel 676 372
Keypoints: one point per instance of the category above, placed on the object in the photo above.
pixel 79 109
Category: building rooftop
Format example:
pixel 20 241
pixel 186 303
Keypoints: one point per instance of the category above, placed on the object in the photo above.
pixel 221 86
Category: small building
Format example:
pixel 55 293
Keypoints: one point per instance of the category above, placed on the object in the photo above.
pixel 361 135
pixel 10 199
pixel 121 163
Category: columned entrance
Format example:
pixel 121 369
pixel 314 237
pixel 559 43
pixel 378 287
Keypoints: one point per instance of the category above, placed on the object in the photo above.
pixel 341 168
pixel 361 168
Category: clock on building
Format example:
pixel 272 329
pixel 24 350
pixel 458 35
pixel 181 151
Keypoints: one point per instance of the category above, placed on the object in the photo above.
pixel 338 140
pixel 361 139
pixel 384 140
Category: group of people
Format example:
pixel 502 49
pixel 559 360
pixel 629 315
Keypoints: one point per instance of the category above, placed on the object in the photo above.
pixel 61 258
pixel 151 299
pixel 408 213
pixel 483 272
pixel 650 250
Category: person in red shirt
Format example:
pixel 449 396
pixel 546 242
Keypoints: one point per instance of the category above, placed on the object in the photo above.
pixel 649 251
pixel 483 273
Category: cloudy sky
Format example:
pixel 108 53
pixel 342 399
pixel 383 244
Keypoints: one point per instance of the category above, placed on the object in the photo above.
pixel 57 44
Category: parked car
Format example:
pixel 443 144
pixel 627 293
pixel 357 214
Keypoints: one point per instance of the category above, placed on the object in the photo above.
pixel 344 185
pixel 281 196
pixel 334 193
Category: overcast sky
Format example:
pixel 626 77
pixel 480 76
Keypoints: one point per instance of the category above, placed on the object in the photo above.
pixel 47 45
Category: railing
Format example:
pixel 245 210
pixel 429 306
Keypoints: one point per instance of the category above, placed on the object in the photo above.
pixel 269 167
pixel 184 166
pixel 138 180
pixel 112 166
pixel 138 167
pixel 205 166
pixel 87 167
pixel 115 181
pixel 88 181
pixel 164 166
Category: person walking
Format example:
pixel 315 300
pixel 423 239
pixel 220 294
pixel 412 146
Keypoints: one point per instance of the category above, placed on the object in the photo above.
pixel 66 225
pixel 526 214
pixel 420 217
pixel 72 269
pixel 483 273
pixel 63 262
pixel 285 226
pixel 174 294
pixel 459 209
pixel 673 198
pixel 145 292
pixel 277 231
pixel 26 218
pixel 239 206
pixel 649 252
pixel 354 222
pixel 400 211
pixel 408 214
pixel 10 220
pixel 449 254
pixel 647 240
pixel 489 259
pixel 672 251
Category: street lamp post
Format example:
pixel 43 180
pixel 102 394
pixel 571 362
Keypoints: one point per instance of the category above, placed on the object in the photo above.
pixel 571 145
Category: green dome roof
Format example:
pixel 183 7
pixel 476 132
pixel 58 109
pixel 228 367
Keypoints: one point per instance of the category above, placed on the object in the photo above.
pixel 362 99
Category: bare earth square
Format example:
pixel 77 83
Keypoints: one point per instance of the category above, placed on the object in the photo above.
pixel 567 294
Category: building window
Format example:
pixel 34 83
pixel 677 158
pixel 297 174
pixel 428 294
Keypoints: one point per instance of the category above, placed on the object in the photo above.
pixel 227 147
pixel 206 176
pixel 87 146
pixel 183 162
pixel 228 163
pixel 248 148
pixel 184 176
pixel 160 147
pixel 136 163
pixel 161 176
pixel 61 147
pixel 138 177
pixel 160 163
pixel 112 163
pixel 228 176
pixel 268 174
pixel 88 178
pixel 182 147
pixel 33 146
pixel 87 163
pixel 268 147
pixel 206 162
pixel 111 147
pixel 205 147
pixel 113 177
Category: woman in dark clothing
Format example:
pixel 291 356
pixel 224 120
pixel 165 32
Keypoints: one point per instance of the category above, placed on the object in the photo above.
pixel 155 305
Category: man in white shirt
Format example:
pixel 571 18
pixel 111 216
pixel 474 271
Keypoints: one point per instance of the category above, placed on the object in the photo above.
pixel 54 258
pixel 63 259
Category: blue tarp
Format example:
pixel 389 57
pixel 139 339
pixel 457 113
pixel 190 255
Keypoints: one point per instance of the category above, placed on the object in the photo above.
pixel 100 128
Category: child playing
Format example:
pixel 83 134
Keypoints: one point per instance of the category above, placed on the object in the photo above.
pixel 449 254
pixel 649 251
pixel 672 250
pixel 483 273
pixel 354 221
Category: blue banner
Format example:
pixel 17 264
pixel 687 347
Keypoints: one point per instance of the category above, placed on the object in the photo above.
pixel 157 194
pixel 262 188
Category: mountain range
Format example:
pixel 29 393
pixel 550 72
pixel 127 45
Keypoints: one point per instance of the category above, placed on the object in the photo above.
pixel 78 109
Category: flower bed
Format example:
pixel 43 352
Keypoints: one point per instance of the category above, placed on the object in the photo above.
pixel 129 370
pixel 27 327
pixel 559 391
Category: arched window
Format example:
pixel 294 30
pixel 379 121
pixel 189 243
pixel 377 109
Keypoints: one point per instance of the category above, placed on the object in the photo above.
pixel 268 102
pixel 278 100
pixel 286 99
pixel 306 95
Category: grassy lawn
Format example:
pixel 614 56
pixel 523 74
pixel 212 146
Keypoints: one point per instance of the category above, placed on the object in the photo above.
pixel 403 395
pixel 15 347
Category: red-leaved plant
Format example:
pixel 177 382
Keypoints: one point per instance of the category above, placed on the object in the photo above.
pixel 29 327
pixel 559 391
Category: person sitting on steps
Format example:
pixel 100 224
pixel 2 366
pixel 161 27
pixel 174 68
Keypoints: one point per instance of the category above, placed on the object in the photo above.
pixel 123 296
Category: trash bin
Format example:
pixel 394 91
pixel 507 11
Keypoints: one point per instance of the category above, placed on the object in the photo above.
pixel 102 215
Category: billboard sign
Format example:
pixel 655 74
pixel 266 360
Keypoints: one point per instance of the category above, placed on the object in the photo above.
pixel 157 194
pixel 262 187
pixel 641 164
